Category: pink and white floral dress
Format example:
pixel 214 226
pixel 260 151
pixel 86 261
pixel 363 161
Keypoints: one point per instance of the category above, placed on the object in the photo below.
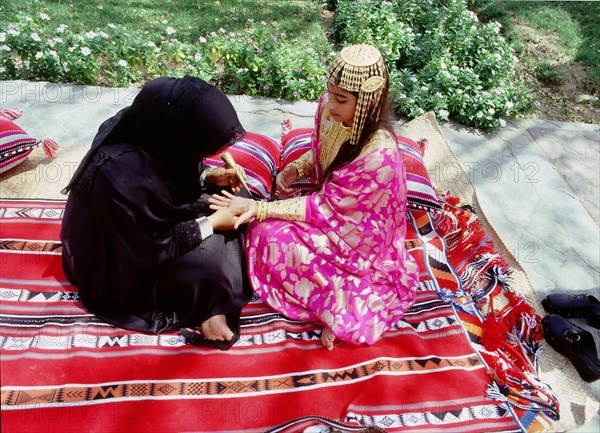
pixel 343 263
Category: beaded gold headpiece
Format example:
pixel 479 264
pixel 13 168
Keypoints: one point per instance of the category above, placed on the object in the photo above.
pixel 361 69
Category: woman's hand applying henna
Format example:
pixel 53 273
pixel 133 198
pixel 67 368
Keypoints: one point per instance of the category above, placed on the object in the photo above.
pixel 227 177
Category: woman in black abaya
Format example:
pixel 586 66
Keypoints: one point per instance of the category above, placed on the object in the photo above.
pixel 137 234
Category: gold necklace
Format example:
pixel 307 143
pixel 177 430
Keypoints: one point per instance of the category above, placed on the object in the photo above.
pixel 334 135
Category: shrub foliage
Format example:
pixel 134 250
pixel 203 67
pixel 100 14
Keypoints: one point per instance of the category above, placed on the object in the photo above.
pixel 441 58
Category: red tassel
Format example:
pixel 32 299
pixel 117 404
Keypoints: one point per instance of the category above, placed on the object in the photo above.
pixel 286 126
pixel 423 144
pixel 12 113
pixel 50 147
pixel 494 333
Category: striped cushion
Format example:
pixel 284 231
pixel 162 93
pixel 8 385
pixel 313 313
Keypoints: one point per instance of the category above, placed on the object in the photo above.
pixel 15 143
pixel 260 156
pixel 294 144
pixel 421 194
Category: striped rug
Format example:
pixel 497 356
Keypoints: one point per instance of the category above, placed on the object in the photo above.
pixel 63 370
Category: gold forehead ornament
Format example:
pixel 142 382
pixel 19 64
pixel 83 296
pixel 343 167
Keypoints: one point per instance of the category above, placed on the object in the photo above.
pixel 361 68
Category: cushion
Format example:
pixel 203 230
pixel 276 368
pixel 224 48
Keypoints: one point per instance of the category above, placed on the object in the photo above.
pixel 259 155
pixel 294 144
pixel 15 143
pixel 421 194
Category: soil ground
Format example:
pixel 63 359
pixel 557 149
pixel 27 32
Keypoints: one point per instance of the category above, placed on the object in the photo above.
pixel 558 100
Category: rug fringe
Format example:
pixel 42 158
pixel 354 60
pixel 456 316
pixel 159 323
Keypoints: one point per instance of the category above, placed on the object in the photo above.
pixel 510 335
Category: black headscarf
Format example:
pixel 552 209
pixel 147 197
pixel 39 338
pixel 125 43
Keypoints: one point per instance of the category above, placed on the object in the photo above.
pixel 175 119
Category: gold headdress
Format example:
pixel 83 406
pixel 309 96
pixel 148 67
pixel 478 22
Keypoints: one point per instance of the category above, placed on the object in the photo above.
pixel 361 69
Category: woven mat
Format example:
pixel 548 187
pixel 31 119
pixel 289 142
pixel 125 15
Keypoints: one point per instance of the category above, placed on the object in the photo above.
pixel 40 178
pixel 577 403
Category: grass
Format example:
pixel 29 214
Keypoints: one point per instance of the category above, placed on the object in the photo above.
pixel 190 18
pixel 575 25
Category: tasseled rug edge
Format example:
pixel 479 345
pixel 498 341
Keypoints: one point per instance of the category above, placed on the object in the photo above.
pixel 508 338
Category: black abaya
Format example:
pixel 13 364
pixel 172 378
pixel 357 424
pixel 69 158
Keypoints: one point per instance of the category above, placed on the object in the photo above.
pixel 131 244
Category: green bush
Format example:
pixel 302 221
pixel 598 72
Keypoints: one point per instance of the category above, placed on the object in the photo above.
pixel 440 57
pixel 261 62
pixel 257 61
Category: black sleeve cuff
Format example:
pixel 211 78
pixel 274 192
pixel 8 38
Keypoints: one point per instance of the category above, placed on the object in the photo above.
pixel 187 236
pixel 201 207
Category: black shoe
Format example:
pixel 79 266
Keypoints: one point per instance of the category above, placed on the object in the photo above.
pixel 575 343
pixel 574 306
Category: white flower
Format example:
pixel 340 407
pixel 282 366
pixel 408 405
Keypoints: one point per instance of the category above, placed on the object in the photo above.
pixel 71 49
pixel 222 30
pixel 509 105
pixel 13 32
pixel 491 111
pixel 2 37
pixel 151 44
pixel 57 40
pixel 91 35
pixel 26 63
pixel 197 56
pixel 112 26
pixel 202 39
pixel 459 91
pixel 61 28
pixel 53 53
pixel 79 38
pixel 122 63
pixel 444 114
pixel 28 19
pixel 502 123
pixel 44 16
pixel 39 55
pixel 2 69
pixel 5 48
pixel 85 51
pixel 104 35
pixel 36 37
pixel 164 21
pixel 479 114
pixel 170 30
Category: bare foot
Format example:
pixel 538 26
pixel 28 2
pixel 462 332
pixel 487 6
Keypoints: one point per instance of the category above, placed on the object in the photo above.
pixel 327 338
pixel 215 328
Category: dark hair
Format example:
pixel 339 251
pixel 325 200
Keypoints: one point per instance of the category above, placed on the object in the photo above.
pixel 349 152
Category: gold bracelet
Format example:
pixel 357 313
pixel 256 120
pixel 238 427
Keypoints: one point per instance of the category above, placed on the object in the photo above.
pixel 299 168
pixel 261 211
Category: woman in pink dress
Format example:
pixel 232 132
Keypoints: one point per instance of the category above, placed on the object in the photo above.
pixel 336 256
